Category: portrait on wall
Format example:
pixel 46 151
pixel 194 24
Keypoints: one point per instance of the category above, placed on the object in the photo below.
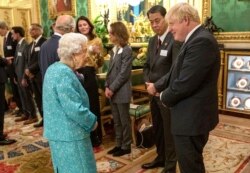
pixel 58 7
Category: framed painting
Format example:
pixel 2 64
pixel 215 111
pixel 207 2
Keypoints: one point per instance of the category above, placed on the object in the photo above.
pixel 226 15
pixel 59 7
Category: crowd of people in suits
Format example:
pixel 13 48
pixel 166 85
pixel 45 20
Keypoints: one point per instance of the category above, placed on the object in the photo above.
pixel 180 77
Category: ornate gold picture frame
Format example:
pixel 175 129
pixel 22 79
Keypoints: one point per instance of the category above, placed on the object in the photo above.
pixel 224 36
pixel 58 7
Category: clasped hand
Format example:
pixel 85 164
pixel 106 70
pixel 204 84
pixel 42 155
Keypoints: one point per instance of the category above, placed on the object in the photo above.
pixel 151 89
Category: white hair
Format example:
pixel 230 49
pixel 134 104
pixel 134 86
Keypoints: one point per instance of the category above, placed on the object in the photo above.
pixel 65 23
pixel 70 44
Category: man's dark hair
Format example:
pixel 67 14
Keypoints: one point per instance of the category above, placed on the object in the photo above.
pixel 19 30
pixel 157 9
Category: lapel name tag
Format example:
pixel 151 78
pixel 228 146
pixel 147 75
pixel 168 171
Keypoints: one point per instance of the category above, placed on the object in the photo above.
pixel 37 49
pixel 9 47
pixel 164 52
pixel 120 51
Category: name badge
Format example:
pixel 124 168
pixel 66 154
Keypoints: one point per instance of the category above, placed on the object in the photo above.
pixel 37 49
pixel 9 47
pixel 19 53
pixel 164 52
pixel 120 51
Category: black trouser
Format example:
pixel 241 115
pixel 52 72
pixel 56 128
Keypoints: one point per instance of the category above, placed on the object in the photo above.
pixel 189 152
pixel 2 108
pixel 163 138
pixel 28 104
pixel 37 89
pixel 15 92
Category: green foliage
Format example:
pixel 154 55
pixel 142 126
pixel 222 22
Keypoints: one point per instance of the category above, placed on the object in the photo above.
pixel 100 28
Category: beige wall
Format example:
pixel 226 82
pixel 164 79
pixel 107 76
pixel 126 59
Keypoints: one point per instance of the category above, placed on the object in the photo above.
pixel 12 14
pixel 33 5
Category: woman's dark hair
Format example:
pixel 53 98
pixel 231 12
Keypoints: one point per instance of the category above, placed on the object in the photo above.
pixel 120 31
pixel 91 35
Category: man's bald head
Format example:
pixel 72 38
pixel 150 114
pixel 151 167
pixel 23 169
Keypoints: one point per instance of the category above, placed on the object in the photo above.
pixel 65 24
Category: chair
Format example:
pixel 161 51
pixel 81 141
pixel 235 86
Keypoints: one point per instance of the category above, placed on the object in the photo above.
pixel 140 94
pixel 137 112
pixel 105 110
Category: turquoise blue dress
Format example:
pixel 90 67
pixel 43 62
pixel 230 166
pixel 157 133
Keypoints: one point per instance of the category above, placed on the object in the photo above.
pixel 67 121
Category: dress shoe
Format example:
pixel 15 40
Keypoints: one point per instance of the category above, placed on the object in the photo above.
pixel 22 118
pixel 115 149
pixel 121 152
pixel 39 124
pixel 7 141
pixel 153 164
pixel 5 135
pixel 30 121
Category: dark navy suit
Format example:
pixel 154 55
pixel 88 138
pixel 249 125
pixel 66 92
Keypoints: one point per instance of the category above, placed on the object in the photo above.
pixel 9 49
pixel 3 79
pixel 158 64
pixel 33 66
pixel 48 53
pixel 192 97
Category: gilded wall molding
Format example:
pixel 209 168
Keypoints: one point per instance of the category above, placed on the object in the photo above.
pixel 89 9
pixel 233 37
pixel 224 37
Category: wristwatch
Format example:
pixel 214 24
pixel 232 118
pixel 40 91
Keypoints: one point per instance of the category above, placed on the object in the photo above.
pixel 237 63
pixel 235 101
pixel 248 65
pixel 242 83
pixel 247 103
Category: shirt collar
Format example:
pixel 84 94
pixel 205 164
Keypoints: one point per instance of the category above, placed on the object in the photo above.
pixel 20 41
pixel 191 32
pixel 6 35
pixel 162 37
pixel 115 49
pixel 56 33
pixel 37 39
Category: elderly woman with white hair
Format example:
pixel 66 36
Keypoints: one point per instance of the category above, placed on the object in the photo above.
pixel 67 118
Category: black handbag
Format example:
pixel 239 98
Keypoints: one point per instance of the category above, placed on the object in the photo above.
pixel 145 137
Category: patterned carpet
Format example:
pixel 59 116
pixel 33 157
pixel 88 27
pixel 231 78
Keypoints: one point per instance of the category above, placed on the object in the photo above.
pixel 228 151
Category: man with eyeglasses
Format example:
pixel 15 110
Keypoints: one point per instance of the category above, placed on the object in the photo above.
pixel 32 70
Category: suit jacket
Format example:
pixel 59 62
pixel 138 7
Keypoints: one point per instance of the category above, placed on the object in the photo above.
pixel 48 53
pixel 10 46
pixel 66 105
pixel 158 64
pixel 33 58
pixel 9 50
pixel 192 86
pixel 3 76
pixel 20 57
pixel 118 75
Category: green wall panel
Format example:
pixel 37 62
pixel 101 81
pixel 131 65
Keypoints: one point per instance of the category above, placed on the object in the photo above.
pixel 231 15
pixel 81 9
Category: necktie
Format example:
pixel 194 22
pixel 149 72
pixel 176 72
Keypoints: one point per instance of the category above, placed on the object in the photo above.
pixel 4 42
pixel 158 45
pixel 33 46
